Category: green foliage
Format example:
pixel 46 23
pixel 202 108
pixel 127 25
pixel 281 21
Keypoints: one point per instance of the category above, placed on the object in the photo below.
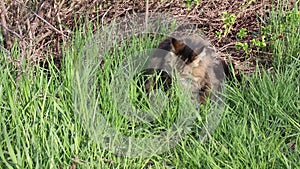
pixel 266 30
pixel 244 46
pixel 189 3
pixel 255 42
pixel 259 43
pixel 242 33
pixel 228 20
pixel 219 34
pixel 285 35
pixel 259 127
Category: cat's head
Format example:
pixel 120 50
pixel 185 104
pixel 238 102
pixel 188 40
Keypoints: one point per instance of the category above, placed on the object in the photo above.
pixel 188 49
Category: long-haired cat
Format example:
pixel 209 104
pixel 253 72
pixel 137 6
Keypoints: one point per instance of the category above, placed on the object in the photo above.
pixel 194 59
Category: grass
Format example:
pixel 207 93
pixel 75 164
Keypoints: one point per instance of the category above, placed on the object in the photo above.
pixel 41 128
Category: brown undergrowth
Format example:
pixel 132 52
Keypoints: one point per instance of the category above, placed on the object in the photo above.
pixel 39 28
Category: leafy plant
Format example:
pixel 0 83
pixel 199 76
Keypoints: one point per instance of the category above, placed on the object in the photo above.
pixel 244 46
pixel 242 33
pixel 259 43
pixel 228 20
pixel 219 34
pixel 189 3
pixel 265 30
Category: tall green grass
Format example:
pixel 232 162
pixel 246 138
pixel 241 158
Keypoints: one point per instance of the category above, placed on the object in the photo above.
pixel 285 30
pixel 259 128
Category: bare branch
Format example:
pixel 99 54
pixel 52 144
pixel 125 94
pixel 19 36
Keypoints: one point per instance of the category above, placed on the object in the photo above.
pixel 147 14
pixel 44 20
pixel 11 31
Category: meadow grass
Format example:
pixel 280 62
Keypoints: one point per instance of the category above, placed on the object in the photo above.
pixel 259 127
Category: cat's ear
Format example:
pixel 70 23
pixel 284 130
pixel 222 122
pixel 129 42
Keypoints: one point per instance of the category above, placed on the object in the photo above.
pixel 177 45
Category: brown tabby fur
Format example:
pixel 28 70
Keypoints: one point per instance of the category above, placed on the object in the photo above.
pixel 195 60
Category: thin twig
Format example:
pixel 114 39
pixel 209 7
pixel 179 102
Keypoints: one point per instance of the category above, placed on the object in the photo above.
pixel 147 14
pixel 58 31
pixel 3 24
pixel 5 50
pixel 58 15
pixel 106 12
pixel 11 31
pixel 227 45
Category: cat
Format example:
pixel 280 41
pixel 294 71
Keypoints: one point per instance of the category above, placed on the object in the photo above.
pixel 194 59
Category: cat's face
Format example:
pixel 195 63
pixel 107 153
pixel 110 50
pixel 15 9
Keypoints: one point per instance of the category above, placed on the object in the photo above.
pixel 189 56
pixel 175 53
pixel 195 58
